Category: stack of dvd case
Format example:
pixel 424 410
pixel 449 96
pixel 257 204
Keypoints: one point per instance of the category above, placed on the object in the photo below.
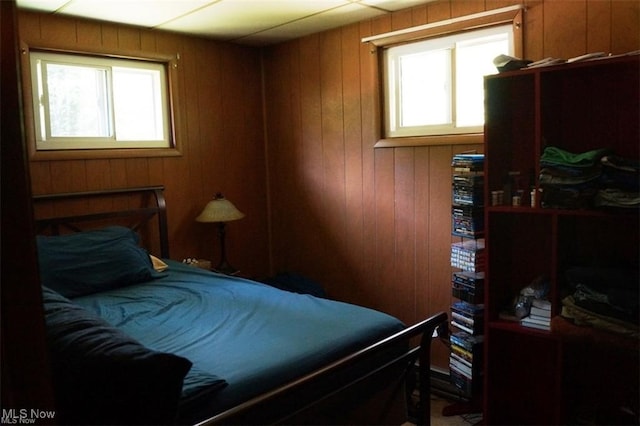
pixel 467 211
pixel 468 256
pixel 467 221
pixel 468 162
pixel 468 189
pixel 468 286
pixel 465 362
pixel 468 317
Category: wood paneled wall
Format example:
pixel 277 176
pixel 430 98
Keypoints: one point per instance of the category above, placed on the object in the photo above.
pixel 220 134
pixel 373 225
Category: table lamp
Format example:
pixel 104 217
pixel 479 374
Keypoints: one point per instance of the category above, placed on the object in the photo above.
pixel 220 211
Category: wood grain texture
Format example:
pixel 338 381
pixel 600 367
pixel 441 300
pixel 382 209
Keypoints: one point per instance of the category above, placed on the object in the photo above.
pixel 371 225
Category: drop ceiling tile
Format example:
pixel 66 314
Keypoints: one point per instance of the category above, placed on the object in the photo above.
pixel 245 21
pixel 42 5
pixel 329 19
pixel 393 5
pixel 146 13
pixel 233 18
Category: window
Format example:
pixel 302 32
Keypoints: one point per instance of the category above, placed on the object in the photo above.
pixel 435 86
pixel 92 102
pixel 432 76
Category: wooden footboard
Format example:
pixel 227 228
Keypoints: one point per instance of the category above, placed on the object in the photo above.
pixel 363 399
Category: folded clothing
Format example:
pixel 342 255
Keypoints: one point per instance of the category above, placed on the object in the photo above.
pixel 596 178
pixel 554 156
pixel 612 292
pixel 584 317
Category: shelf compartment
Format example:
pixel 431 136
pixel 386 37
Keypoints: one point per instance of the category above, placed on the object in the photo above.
pixel 520 249
pixel 582 111
pixel 512 132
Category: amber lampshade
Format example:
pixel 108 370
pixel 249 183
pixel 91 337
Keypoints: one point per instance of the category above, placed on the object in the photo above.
pixel 220 210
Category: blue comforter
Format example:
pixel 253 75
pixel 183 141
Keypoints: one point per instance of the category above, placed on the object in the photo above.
pixel 254 336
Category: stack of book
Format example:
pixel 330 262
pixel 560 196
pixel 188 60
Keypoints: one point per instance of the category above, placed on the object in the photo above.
pixel 465 362
pixel 468 286
pixel 539 316
pixel 467 220
pixel 467 314
pixel 468 317
pixel 468 162
pixel 468 189
pixel 468 255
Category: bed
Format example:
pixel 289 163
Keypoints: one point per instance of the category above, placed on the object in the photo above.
pixel 138 338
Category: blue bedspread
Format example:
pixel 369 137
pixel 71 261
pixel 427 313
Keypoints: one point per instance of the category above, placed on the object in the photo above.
pixel 254 336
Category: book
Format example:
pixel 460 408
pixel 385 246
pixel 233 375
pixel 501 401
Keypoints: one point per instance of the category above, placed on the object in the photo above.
pixel 537 320
pixel 536 326
pixel 544 313
pixel 467 341
pixel 462 327
pixel 462 353
pixel 468 309
pixel 461 360
pixel 461 367
pixel 462 319
pixel 539 323
pixel 541 304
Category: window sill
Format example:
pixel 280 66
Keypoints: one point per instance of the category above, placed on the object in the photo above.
pixel 85 154
pixel 471 138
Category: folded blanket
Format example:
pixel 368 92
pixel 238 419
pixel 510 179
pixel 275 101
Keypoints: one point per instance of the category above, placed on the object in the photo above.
pixel 554 156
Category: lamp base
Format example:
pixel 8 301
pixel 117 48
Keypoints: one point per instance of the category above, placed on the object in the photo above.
pixel 225 268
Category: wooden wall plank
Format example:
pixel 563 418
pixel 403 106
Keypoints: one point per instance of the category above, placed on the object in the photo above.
pixel 466 7
pixel 334 213
pixel 353 161
pixel 599 26
pixel 439 11
pixel 419 15
pixel 422 231
pixel 282 151
pixel 384 287
pixel 98 176
pixel 401 19
pixel 129 38
pixel 565 26
pixel 88 34
pixel 310 172
pixel 405 232
pixel 369 104
pixel 625 27
pixel 534 31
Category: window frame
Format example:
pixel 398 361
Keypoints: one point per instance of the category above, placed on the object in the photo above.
pixel 512 15
pixel 170 62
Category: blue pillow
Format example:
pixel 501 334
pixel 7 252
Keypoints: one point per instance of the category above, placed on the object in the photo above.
pixel 93 261
pixel 103 376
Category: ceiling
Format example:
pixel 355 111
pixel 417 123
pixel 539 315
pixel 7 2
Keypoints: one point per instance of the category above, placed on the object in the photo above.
pixel 251 22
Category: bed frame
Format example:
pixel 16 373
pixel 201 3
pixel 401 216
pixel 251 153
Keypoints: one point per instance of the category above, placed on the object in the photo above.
pixel 339 393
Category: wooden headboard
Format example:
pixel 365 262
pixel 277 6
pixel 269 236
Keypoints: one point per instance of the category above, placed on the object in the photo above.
pixel 132 207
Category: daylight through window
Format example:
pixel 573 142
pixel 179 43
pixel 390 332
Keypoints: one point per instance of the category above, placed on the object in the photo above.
pixel 435 86
pixel 87 102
